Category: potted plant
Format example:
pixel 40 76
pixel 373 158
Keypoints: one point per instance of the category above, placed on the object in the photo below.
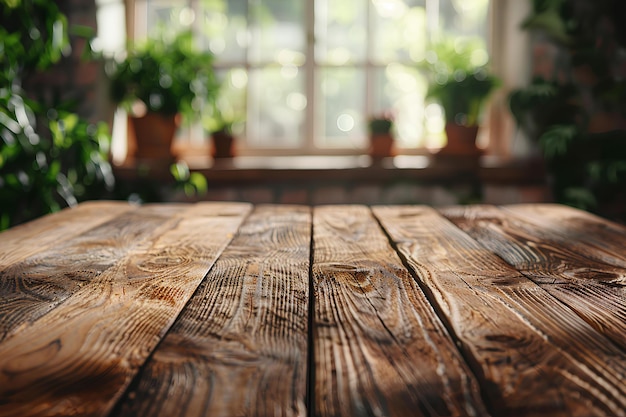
pixel 381 138
pixel 159 82
pixel 462 86
pixel 223 142
pixel 221 125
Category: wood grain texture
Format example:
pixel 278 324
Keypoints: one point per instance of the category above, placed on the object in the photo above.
pixel 379 347
pixel 40 283
pixel 29 238
pixel 575 256
pixel 534 356
pixel 79 358
pixel 240 346
pixel 578 226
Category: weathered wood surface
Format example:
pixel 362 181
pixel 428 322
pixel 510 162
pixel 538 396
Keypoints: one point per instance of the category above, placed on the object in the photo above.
pixel 578 258
pixel 79 358
pixel 29 238
pixel 37 284
pixel 534 356
pixel 240 346
pixel 215 309
pixel 379 348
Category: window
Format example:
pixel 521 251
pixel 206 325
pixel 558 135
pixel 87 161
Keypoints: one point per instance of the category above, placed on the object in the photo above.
pixel 303 76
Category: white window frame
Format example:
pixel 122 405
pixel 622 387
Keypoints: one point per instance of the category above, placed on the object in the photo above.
pixel 510 60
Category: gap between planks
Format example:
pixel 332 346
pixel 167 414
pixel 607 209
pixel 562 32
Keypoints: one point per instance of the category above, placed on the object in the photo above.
pixel 373 324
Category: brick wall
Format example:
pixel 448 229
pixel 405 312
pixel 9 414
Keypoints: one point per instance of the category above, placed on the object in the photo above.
pixel 72 79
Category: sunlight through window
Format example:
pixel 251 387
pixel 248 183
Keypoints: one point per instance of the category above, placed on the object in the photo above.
pixel 304 76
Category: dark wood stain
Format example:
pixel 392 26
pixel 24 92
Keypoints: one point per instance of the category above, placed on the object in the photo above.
pixel 108 326
pixel 548 244
pixel 240 347
pixel 40 283
pixel 219 309
pixel 533 354
pixel 379 347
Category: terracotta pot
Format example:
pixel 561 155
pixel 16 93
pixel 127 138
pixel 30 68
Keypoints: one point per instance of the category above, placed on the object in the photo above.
pixel 154 134
pixel 461 140
pixel 223 145
pixel 381 145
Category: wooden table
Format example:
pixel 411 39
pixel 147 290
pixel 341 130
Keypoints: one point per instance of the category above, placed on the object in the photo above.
pixel 225 309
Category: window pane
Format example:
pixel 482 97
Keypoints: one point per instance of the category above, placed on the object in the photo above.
pixel 340 31
pixel 111 35
pixel 401 89
pixel 464 17
pixel 231 101
pixel 341 108
pixel 277 31
pixel 224 29
pixel 398 30
pixel 364 62
pixel 276 107
pixel 170 16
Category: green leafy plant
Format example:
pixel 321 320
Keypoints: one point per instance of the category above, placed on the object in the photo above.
pixel 544 103
pixel 380 124
pixel 460 80
pixel 49 156
pixel 192 183
pixel 169 76
pixel 576 112
pixel 222 120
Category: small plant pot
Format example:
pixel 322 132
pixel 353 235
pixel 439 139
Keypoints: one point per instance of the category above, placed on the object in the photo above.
pixel 222 145
pixel 461 141
pixel 154 134
pixel 381 145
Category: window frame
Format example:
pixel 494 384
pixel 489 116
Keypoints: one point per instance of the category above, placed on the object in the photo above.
pixel 498 134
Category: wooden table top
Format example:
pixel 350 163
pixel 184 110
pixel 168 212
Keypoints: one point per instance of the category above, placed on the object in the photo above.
pixel 228 309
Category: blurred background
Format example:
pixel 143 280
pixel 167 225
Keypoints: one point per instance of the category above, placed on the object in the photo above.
pixel 299 89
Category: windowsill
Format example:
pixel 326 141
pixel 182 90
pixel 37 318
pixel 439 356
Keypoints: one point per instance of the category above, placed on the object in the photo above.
pixel 292 169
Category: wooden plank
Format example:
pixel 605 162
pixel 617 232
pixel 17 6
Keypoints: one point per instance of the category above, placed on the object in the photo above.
pixel 534 356
pixel 240 346
pixel 29 238
pixel 607 238
pixel 40 283
pixel 379 347
pixel 79 358
pixel 576 257
pixel 597 239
